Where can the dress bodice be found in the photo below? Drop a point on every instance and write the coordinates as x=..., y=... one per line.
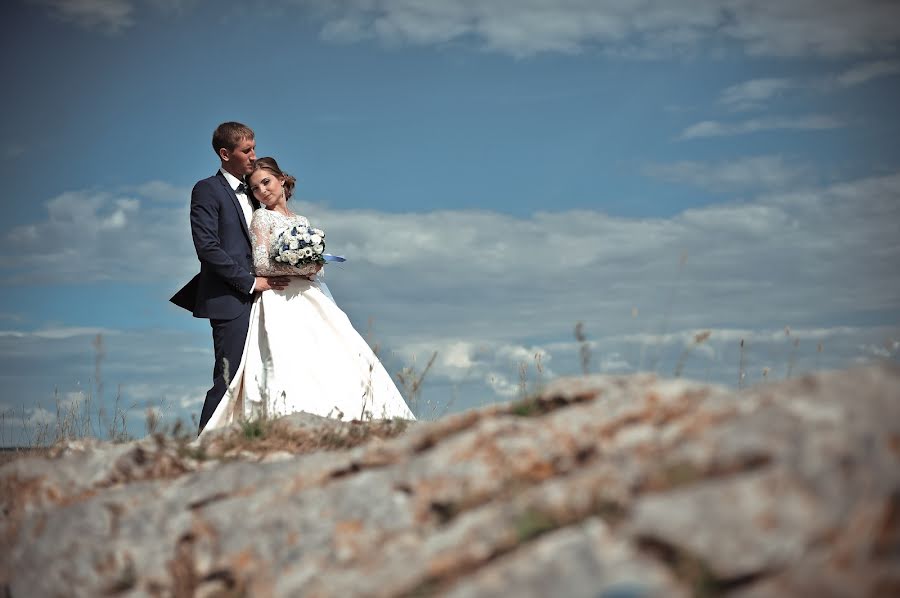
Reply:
x=264, y=227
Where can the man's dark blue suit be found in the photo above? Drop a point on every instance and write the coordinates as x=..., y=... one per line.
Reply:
x=221, y=291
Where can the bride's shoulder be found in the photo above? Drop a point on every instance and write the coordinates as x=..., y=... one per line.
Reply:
x=298, y=219
x=263, y=216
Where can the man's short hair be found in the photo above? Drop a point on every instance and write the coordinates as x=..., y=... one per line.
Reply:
x=229, y=134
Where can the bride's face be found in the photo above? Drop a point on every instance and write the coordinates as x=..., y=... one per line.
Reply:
x=266, y=187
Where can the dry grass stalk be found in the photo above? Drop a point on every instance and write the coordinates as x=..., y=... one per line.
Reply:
x=411, y=381
x=584, y=349
x=523, y=380
x=699, y=339
x=792, y=358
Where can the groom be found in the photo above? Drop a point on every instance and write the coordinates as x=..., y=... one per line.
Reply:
x=221, y=208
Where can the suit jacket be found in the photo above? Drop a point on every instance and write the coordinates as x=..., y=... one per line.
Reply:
x=222, y=241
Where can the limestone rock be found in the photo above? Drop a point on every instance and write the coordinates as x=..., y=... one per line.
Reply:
x=599, y=486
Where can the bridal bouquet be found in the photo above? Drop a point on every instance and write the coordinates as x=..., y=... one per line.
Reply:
x=299, y=246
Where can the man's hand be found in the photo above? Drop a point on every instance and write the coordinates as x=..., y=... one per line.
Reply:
x=268, y=283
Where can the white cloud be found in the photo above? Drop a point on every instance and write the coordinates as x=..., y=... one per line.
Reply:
x=613, y=362
x=813, y=27
x=490, y=371
x=170, y=396
x=753, y=93
x=57, y=333
x=516, y=28
x=636, y=28
x=490, y=291
x=108, y=16
x=40, y=417
x=863, y=73
x=427, y=271
x=802, y=350
x=503, y=387
x=756, y=93
x=138, y=369
x=477, y=361
x=721, y=337
x=712, y=128
x=757, y=172
x=132, y=235
x=72, y=400
x=626, y=28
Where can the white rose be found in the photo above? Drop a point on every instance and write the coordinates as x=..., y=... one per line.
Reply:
x=315, y=239
x=319, y=248
x=293, y=244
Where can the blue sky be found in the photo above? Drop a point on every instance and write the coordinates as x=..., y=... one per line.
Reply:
x=495, y=171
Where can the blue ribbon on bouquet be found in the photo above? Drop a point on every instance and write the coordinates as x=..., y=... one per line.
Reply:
x=333, y=258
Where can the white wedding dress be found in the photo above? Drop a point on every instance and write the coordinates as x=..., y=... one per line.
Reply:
x=302, y=353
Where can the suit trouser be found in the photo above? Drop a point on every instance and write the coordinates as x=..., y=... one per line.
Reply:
x=228, y=344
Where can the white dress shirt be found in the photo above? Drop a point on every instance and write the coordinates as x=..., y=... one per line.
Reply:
x=246, y=206
x=242, y=197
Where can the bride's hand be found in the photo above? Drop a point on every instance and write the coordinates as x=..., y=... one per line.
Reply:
x=312, y=276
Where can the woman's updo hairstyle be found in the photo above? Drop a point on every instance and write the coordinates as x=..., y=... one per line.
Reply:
x=269, y=163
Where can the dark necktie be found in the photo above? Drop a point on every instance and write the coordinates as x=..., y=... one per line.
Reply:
x=241, y=188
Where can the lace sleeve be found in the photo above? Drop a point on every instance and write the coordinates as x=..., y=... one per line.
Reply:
x=263, y=228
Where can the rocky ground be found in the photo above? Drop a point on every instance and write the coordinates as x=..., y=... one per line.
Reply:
x=599, y=487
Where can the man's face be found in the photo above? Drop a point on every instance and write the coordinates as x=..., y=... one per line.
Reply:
x=239, y=161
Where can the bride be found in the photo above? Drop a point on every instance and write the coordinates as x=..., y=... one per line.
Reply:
x=301, y=353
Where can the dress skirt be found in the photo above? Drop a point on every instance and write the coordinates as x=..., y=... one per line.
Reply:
x=303, y=354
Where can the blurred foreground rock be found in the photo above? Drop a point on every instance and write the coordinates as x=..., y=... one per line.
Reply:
x=598, y=487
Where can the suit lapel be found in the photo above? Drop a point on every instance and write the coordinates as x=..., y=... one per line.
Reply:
x=237, y=204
